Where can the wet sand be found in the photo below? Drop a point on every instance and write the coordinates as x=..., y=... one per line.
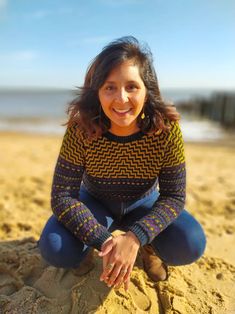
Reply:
x=29, y=285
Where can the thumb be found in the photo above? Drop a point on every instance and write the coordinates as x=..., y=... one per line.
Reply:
x=106, y=248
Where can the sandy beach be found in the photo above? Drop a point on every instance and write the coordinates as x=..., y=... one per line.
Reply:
x=29, y=285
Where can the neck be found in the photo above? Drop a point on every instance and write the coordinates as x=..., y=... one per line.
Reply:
x=124, y=131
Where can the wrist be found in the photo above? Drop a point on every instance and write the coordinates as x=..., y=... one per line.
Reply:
x=132, y=236
x=107, y=240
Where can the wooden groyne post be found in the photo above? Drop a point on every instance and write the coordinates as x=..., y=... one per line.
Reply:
x=220, y=107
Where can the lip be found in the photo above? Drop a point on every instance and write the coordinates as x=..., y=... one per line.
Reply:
x=123, y=113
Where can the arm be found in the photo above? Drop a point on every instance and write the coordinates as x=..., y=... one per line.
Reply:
x=65, y=193
x=172, y=186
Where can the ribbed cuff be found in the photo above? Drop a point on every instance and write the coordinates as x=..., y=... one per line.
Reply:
x=102, y=238
x=140, y=234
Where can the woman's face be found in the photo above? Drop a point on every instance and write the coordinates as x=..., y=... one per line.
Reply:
x=122, y=98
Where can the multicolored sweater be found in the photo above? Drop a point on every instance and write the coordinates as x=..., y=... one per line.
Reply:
x=119, y=168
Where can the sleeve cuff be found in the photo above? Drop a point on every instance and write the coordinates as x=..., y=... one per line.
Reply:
x=140, y=234
x=99, y=241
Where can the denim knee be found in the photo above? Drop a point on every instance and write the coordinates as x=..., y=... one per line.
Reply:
x=181, y=243
x=194, y=246
x=59, y=247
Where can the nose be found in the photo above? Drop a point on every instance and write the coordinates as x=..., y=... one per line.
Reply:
x=122, y=95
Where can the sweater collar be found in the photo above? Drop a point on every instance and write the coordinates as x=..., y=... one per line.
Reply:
x=124, y=139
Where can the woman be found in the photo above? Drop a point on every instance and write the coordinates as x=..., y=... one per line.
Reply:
x=121, y=166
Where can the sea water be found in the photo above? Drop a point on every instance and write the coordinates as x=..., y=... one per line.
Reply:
x=44, y=111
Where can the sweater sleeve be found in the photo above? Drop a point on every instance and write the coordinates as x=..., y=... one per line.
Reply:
x=65, y=203
x=172, y=187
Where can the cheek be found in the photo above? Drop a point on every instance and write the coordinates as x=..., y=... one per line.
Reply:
x=139, y=101
x=105, y=105
x=104, y=100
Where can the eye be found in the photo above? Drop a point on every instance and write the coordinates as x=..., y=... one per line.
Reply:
x=109, y=88
x=132, y=87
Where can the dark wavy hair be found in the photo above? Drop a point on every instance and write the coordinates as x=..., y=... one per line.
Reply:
x=86, y=111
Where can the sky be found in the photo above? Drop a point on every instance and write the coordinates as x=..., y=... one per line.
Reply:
x=50, y=43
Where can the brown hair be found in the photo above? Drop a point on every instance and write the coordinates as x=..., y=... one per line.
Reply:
x=86, y=111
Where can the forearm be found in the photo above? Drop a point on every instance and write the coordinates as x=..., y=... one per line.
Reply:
x=68, y=209
x=168, y=206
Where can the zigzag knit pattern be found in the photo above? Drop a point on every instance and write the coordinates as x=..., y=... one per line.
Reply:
x=119, y=169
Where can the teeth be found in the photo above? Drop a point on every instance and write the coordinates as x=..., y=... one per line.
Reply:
x=122, y=111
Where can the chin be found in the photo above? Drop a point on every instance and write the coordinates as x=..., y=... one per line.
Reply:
x=124, y=125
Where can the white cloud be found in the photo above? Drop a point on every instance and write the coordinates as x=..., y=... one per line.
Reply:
x=23, y=55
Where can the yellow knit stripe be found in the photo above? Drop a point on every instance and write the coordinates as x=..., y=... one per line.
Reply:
x=90, y=231
x=66, y=210
x=82, y=223
x=141, y=159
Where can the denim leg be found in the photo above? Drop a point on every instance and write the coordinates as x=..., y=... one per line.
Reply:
x=134, y=211
x=59, y=247
x=182, y=242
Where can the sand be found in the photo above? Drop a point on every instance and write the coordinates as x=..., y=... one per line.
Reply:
x=29, y=285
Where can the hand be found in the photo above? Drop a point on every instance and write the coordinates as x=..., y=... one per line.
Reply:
x=119, y=255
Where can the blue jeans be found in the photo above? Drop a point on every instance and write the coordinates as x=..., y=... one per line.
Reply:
x=181, y=243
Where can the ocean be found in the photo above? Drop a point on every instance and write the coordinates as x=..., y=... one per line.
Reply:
x=43, y=111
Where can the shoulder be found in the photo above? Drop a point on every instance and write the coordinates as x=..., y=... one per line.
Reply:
x=75, y=133
x=174, y=130
x=78, y=137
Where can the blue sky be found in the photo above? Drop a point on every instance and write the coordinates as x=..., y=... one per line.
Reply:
x=51, y=42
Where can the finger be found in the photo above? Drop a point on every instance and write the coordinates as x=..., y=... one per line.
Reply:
x=114, y=274
x=127, y=284
x=127, y=278
x=118, y=286
x=120, y=279
x=106, y=249
x=128, y=274
x=107, y=271
x=105, y=261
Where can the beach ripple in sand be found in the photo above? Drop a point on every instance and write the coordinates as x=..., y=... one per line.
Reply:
x=29, y=285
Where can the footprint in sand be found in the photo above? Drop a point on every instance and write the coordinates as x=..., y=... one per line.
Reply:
x=139, y=296
x=10, y=282
x=55, y=283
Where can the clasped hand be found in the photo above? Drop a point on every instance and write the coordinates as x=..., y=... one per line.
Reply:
x=119, y=255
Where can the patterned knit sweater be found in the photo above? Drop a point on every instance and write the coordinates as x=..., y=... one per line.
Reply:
x=119, y=168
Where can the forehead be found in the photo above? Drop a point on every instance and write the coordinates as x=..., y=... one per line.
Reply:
x=127, y=70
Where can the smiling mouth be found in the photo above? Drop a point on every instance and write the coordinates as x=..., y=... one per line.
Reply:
x=122, y=111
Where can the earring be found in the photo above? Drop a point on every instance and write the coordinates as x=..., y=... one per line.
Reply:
x=142, y=116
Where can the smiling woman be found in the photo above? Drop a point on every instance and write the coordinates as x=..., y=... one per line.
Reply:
x=122, y=140
x=122, y=98
x=123, y=71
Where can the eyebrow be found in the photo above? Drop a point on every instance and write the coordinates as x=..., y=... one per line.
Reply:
x=113, y=82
